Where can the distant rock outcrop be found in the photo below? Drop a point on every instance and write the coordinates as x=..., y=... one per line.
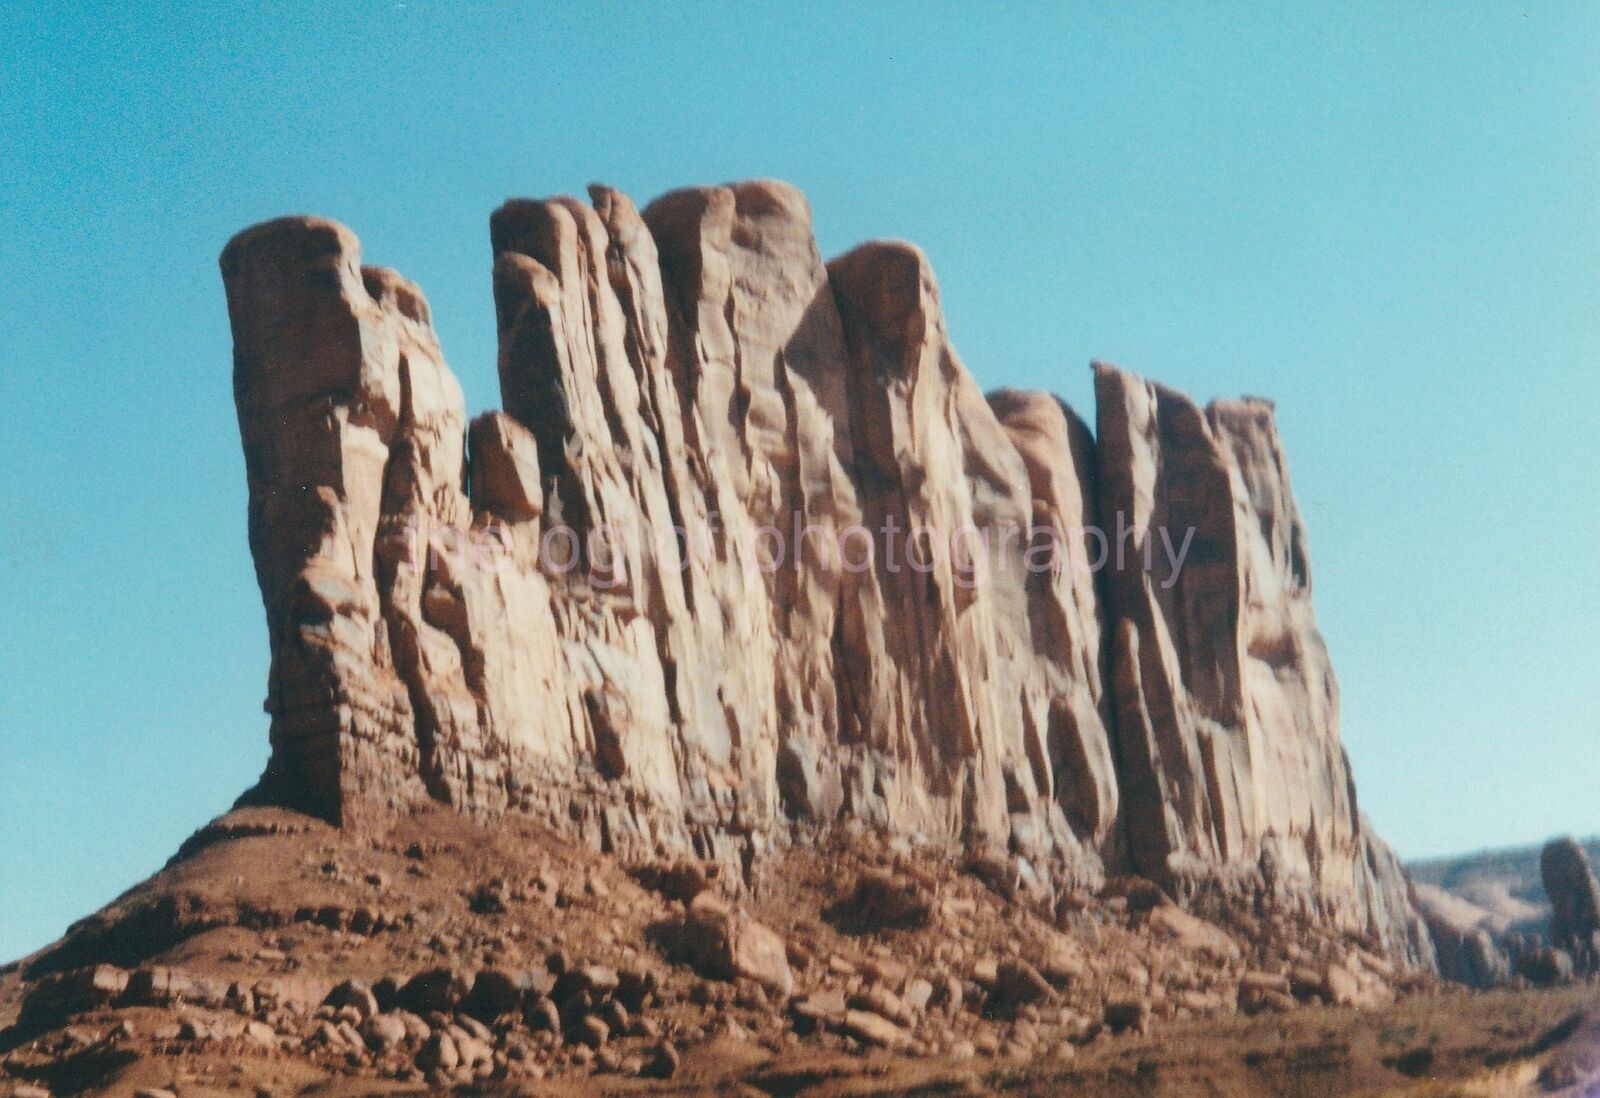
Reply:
x=749, y=552
x=1574, y=893
x=1466, y=948
x=1527, y=912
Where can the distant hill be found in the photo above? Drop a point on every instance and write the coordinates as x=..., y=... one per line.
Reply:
x=1504, y=884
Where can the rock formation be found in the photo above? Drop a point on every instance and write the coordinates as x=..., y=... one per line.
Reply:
x=748, y=553
x=1226, y=704
x=1463, y=942
x=1569, y=881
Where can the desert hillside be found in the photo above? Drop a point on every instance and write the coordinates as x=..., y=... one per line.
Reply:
x=754, y=705
x=280, y=955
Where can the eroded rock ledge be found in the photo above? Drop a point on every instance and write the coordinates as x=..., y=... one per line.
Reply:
x=697, y=367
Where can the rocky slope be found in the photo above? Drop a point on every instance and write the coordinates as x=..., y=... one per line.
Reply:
x=436, y=951
x=748, y=553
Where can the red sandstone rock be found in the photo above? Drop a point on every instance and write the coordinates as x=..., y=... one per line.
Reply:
x=513, y=624
x=1233, y=778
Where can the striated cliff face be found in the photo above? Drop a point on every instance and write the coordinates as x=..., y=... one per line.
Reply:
x=1227, y=712
x=749, y=553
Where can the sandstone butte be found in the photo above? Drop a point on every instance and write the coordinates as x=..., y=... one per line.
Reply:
x=697, y=365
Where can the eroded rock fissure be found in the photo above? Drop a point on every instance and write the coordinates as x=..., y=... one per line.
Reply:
x=695, y=376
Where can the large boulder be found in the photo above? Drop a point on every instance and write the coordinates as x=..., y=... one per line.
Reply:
x=725, y=943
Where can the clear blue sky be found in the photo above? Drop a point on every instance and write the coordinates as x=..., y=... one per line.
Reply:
x=1386, y=217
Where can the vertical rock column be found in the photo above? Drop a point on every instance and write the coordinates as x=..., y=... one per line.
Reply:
x=756, y=352
x=1234, y=781
x=679, y=725
x=1574, y=893
x=353, y=433
x=964, y=708
x=1064, y=613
